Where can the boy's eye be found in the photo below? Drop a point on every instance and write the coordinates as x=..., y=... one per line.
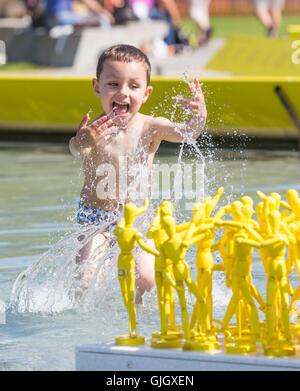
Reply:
x=134, y=86
x=112, y=84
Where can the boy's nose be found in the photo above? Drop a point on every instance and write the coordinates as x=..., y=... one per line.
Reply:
x=123, y=90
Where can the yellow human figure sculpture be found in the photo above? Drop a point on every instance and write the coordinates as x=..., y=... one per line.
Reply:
x=273, y=203
x=210, y=203
x=177, y=271
x=127, y=238
x=242, y=289
x=248, y=211
x=264, y=231
x=225, y=244
x=278, y=339
x=278, y=202
x=168, y=336
x=293, y=199
x=202, y=312
x=294, y=261
x=241, y=219
x=294, y=258
x=173, y=330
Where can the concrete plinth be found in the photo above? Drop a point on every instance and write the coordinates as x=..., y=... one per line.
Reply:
x=109, y=357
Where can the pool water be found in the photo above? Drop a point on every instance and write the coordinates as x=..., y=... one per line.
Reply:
x=39, y=187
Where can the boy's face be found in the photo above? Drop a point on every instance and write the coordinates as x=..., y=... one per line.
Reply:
x=122, y=88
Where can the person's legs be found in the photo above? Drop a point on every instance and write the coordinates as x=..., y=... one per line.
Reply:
x=87, y=258
x=94, y=247
x=263, y=13
x=145, y=279
x=199, y=12
x=276, y=14
x=97, y=241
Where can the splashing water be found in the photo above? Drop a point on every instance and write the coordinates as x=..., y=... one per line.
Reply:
x=56, y=282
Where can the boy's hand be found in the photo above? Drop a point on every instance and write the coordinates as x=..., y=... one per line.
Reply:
x=97, y=131
x=197, y=103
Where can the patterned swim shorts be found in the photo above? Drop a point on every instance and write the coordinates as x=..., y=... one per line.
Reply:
x=88, y=214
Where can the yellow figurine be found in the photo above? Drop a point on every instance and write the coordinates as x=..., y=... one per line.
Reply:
x=278, y=339
x=203, y=338
x=248, y=211
x=128, y=237
x=274, y=231
x=225, y=244
x=168, y=337
x=264, y=232
x=177, y=271
x=293, y=199
x=242, y=290
x=210, y=203
x=242, y=238
x=203, y=235
x=294, y=258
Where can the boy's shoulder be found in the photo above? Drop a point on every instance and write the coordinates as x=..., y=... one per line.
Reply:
x=153, y=122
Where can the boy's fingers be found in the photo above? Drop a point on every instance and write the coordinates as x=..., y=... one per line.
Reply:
x=98, y=122
x=181, y=100
x=188, y=102
x=84, y=121
x=109, y=132
x=106, y=125
x=192, y=105
x=198, y=94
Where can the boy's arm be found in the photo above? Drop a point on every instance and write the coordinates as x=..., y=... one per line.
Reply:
x=164, y=129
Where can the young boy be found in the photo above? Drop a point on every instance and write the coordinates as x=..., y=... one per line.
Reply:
x=122, y=84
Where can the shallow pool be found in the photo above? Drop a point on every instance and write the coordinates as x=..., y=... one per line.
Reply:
x=39, y=187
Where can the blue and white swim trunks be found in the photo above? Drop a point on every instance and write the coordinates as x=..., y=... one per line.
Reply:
x=92, y=215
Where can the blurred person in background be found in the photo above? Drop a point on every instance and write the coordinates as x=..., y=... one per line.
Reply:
x=64, y=12
x=36, y=10
x=269, y=13
x=128, y=10
x=121, y=11
x=168, y=10
x=199, y=13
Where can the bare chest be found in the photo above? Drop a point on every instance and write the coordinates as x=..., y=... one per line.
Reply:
x=131, y=146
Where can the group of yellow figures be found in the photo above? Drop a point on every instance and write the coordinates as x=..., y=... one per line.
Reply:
x=275, y=234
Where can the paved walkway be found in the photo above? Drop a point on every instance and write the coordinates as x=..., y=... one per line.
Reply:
x=190, y=62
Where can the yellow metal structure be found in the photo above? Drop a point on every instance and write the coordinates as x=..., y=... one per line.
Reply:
x=294, y=31
x=247, y=105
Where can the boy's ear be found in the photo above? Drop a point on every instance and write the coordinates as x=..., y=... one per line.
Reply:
x=96, y=86
x=148, y=92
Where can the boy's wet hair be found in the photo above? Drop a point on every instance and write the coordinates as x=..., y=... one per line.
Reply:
x=124, y=53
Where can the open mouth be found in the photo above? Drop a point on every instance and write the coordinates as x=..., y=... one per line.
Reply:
x=120, y=108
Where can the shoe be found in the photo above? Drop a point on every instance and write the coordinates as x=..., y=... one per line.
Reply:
x=205, y=37
x=270, y=31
